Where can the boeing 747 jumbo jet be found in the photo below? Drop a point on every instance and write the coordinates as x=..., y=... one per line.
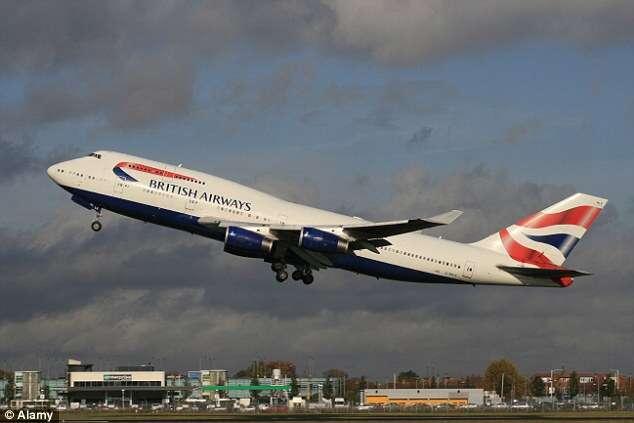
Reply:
x=253, y=224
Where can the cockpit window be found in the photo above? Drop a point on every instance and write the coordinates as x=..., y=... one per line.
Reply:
x=95, y=155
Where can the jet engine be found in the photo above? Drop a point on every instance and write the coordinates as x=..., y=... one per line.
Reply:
x=243, y=242
x=322, y=241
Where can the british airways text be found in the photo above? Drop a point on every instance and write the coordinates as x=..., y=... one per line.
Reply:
x=203, y=196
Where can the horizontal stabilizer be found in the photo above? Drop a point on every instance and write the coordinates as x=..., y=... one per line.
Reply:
x=534, y=272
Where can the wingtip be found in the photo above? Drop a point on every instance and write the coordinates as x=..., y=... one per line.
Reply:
x=447, y=218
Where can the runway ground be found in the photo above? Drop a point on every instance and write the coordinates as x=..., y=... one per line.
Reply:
x=350, y=417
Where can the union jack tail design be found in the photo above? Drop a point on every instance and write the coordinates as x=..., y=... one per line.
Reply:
x=545, y=239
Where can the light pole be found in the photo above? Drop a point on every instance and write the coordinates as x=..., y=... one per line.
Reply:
x=502, y=390
x=552, y=386
x=617, y=385
x=631, y=393
x=598, y=389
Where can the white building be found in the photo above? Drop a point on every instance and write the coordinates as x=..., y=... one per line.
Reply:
x=121, y=387
x=27, y=385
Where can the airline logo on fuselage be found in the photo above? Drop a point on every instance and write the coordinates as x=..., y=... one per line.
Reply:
x=176, y=189
x=200, y=195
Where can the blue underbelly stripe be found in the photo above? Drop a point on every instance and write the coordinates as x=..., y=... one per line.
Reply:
x=147, y=213
x=386, y=270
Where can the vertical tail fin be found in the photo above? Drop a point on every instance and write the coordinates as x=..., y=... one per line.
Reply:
x=547, y=237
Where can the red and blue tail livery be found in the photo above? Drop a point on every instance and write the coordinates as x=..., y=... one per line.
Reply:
x=545, y=239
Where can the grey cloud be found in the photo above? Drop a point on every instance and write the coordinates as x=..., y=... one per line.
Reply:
x=521, y=131
x=310, y=117
x=40, y=36
x=145, y=53
x=293, y=76
x=16, y=158
x=144, y=90
x=183, y=326
x=399, y=98
x=150, y=90
x=380, y=118
x=21, y=157
x=302, y=191
x=405, y=33
x=333, y=96
x=422, y=136
x=241, y=100
x=489, y=198
x=417, y=96
x=342, y=95
x=289, y=88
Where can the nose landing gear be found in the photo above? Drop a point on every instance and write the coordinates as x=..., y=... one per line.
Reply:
x=96, y=224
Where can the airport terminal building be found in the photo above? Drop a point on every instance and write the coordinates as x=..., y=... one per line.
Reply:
x=122, y=386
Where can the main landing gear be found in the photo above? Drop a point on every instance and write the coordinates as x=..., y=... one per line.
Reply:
x=306, y=276
x=280, y=271
x=303, y=274
x=96, y=224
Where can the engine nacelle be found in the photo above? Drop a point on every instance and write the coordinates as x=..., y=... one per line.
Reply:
x=322, y=241
x=246, y=243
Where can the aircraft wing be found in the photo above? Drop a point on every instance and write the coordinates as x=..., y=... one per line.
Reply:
x=360, y=231
x=364, y=235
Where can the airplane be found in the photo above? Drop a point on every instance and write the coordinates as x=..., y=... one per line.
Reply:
x=254, y=224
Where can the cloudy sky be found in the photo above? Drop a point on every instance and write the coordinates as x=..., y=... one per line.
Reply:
x=382, y=109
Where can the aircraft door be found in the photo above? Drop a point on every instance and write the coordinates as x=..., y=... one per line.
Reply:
x=468, y=269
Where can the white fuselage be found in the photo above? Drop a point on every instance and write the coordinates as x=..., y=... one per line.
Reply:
x=180, y=202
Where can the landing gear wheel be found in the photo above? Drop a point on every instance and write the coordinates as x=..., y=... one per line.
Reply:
x=281, y=276
x=96, y=226
x=277, y=266
x=297, y=275
x=308, y=279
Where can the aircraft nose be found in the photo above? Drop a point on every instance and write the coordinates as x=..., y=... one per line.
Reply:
x=52, y=171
